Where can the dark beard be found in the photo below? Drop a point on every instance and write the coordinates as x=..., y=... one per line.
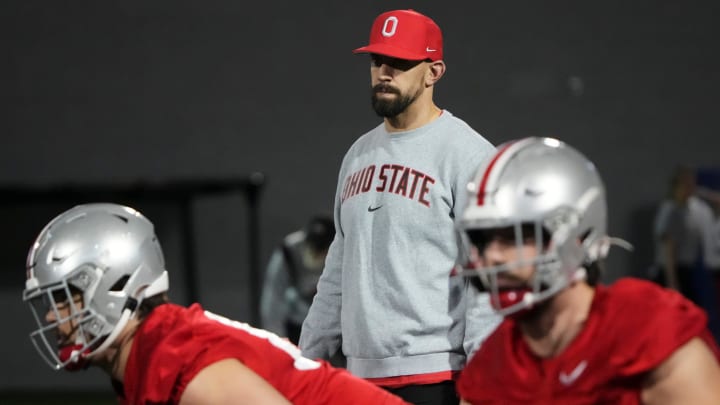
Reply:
x=390, y=108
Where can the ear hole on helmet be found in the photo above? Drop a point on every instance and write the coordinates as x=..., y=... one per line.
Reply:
x=120, y=284
x=131, y=304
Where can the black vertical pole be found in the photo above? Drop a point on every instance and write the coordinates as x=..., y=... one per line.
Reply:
x=188, y=244
x=255, y=185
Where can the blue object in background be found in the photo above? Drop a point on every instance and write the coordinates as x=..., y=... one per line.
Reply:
x=708, y=177
x=703, y=279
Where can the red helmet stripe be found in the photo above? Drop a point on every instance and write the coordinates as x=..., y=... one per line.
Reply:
x=486, y=175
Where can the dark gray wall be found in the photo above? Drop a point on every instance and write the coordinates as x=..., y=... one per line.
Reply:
x=115, y=92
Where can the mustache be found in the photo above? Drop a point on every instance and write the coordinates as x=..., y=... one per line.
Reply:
x=385, y=88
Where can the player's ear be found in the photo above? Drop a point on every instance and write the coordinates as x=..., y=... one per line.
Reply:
x=435, y=71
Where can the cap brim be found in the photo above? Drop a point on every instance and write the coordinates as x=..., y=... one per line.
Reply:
x=391, y=51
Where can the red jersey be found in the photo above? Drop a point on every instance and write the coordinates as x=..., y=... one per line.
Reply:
x=175, y=343
x=632, y=327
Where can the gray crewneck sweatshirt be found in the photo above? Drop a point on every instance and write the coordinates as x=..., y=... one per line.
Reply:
x=386, y=294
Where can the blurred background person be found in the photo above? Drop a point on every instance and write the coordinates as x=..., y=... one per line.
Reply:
x=683, y=233
x=292, y=275
x=712, y=237
x=708, y=190
x=681, y=225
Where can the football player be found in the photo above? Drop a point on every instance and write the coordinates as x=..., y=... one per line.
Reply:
x=535, y=231
x=97, y=284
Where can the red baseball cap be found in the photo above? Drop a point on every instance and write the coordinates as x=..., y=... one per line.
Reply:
x=405, y=34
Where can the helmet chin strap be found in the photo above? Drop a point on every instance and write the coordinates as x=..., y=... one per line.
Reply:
x=601, y=249
x=529, y=297
x=126, y=315
x=80, y=358
x=72, y=355
x=158, y=286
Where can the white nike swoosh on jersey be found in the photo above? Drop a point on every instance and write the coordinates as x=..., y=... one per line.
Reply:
x=430, y=50
x=567, y=379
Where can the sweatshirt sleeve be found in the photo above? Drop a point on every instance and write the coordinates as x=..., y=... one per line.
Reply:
x=320, y=336
x=480, y=319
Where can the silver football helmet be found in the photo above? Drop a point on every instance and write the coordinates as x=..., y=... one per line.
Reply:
x=540, y=189
x=87, y=272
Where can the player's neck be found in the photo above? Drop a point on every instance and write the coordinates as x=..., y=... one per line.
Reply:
x=418, y=114
x=550, y=331
x=115, y=357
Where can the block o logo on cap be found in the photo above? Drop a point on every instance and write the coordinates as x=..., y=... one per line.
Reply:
x=390, y=26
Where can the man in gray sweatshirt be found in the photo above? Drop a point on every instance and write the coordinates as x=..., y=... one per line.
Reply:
x=386, y=297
